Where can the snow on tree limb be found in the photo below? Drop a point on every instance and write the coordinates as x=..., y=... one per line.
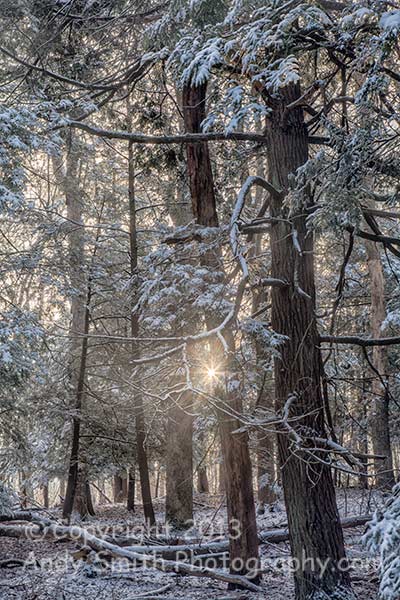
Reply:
x=186, y=138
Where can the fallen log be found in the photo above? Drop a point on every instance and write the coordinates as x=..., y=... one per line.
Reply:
x=22, y=515
x=78, y=534
x=355, y=521
x=9, y=563
x=272, y=536
x=169, y=544
x=149, y=540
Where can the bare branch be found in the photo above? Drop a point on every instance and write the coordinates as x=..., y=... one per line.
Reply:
x=359, y=341
x=386, y=214
x=186, y=138
x=135, y=72
x=387, y=241
x=270, y=282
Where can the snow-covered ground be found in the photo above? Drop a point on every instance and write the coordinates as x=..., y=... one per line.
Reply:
x=63, y=577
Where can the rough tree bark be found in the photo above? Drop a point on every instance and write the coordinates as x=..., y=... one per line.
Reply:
x=179, y=463
x=199, y=169
x=379, y=414
x=238, y=472
x=313, y=519
x=140, y=425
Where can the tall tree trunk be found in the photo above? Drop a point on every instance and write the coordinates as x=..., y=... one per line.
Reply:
x=80, y=300
x=313, y=518
x=199, y=169
x=75, y=470
x=379, y=415
x=179, y=431
x=242, y=525
x=140, y=425
x=179, y=464
x=243, y=547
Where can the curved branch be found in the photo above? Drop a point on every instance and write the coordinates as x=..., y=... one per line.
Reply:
x=359, y=341
x=387, y=241
x=385, y=214
x=138, y=69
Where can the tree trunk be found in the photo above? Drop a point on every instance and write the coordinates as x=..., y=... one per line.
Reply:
x=26, y=491
x=130, y=502
x=362, y=417
x=80, y=300
x=242, y=525
x=179, y=433
x=199, y=169
x=120, y=488
x=313, y=519
x=140, y=426
x=74, y=469
x=45, y=491
x=89, y=499
x=83, y=496
x=179, y=464
x=62, y=489
x=221, y=477
x=124, y=488
x=265, y=470
x=265, y=454
x=379, y=415
x=158, y=477
x=203, y=487
x=117, y=488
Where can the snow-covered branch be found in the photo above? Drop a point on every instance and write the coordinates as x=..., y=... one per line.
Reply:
x=185, y=138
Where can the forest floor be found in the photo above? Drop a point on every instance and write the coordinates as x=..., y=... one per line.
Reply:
x=60, y=578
